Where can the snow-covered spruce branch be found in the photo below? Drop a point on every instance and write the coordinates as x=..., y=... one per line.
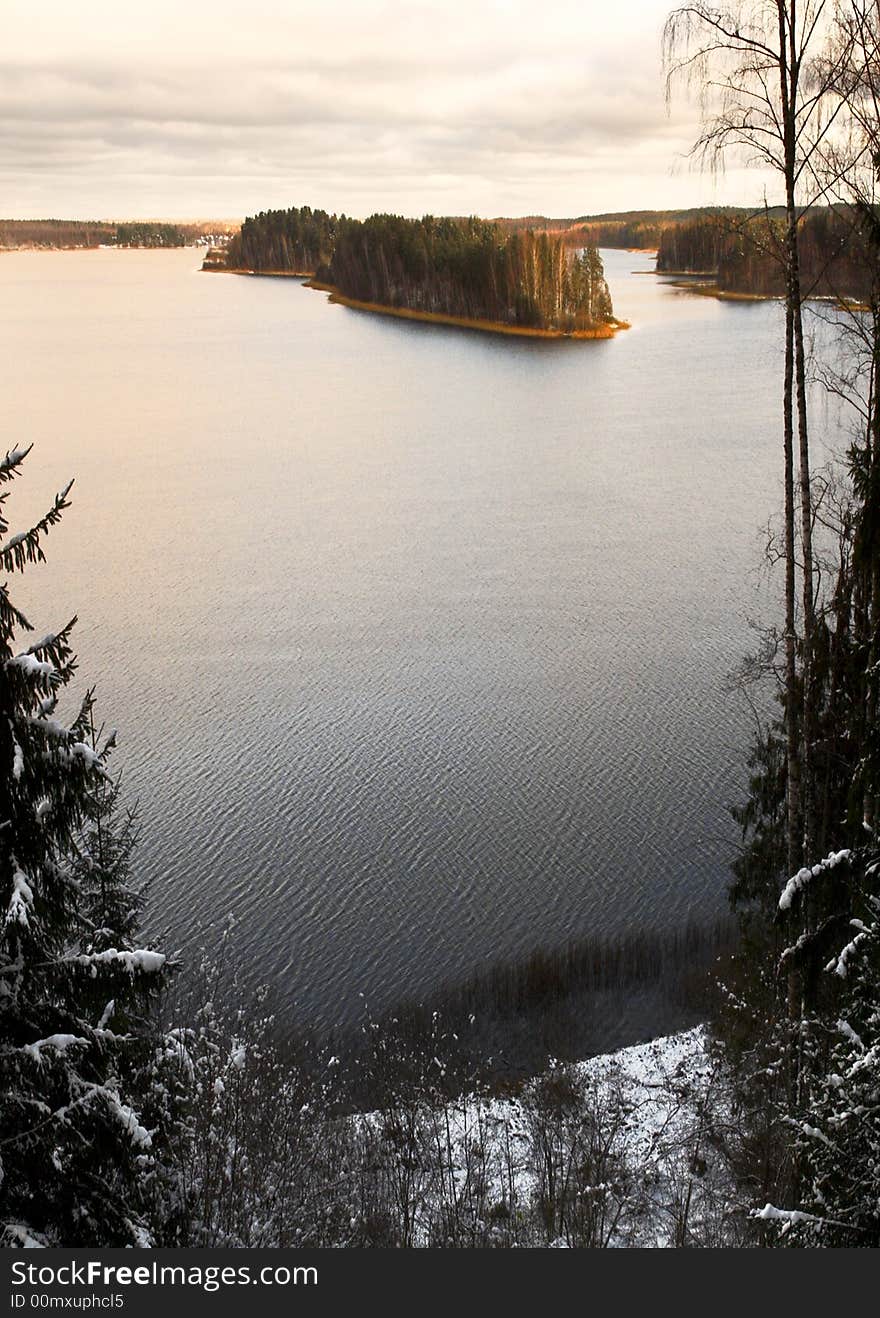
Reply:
x=839, y=965
x=46, y=661
x=21, y=902
x=13, y=459
x=799, y=881
x=120, y=1111
x=28, y=664
x=143, y=960
x=24, y=547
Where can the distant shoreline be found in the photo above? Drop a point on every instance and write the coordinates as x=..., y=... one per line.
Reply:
x=30, y=248
x=258, y=274
x=431, y=317
x=701, y=285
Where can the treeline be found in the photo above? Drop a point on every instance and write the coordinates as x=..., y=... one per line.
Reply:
x=152, y=235
x=96, y=233
x=695, y=247
x=627, y=229
x=837, y=257
x=295, y=241
x=638, y=233
x=55, y=233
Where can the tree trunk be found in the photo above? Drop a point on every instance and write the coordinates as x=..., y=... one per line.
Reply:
x=808, y=786
x=792, y=702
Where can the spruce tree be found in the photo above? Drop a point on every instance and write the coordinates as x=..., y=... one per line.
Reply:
x=76, y=1159
x=831, y=1123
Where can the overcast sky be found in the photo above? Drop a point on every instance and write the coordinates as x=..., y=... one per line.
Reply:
x=494, y=107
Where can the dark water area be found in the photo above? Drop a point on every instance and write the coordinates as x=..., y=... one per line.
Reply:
x=416, y=638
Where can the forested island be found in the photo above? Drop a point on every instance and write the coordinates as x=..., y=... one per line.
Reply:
x=457, y=271
x=745, y=255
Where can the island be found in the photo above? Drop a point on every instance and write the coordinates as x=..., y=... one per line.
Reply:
x=741, y=257
x=458, y=271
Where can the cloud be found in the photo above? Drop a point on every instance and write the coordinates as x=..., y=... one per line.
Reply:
x=364, y=106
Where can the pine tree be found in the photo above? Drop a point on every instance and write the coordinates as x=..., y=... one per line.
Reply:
x=75, y=1157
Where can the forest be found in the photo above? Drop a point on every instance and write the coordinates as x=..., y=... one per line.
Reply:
x=386, y=259
x=151, y=235
x=746, y=254
x=295, y=241
x=55, y=233
x=741, y=250
x=51, y=234
x=144, y=1101
x=467, y=269
x=626, y=229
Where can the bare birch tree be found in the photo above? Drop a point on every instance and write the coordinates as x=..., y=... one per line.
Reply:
x=766, y=96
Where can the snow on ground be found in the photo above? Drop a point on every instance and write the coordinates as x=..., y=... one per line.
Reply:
x=656, y=1110
x=636, y=1130
x=665, y=1082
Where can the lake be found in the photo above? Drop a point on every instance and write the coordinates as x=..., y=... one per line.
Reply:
x=416, y=638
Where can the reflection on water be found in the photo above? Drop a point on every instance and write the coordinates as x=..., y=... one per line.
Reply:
x=415, y=638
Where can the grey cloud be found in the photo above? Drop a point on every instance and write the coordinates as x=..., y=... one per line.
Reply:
x=380, y=118
x=283, y=94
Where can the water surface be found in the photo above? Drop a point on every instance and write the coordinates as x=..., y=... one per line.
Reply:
x=416, y=638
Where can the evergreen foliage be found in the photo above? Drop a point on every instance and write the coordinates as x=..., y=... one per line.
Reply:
x=468, y=268
x=76, y=1159
x=150, y=235
x=294, y=241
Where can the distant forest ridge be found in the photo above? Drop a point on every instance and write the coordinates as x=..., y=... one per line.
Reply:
x=837, y=252
x=470, y=270
x=54, y=234
x=740, y=250
x=627, y=229
x=637, y=228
